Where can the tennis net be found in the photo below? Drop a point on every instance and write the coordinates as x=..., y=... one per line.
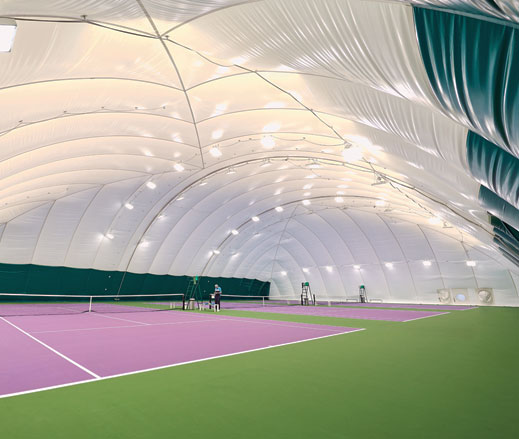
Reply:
x=12, y=304
x=236, y=301
x=336, y=300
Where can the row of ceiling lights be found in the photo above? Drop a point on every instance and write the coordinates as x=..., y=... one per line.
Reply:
x=389, y=265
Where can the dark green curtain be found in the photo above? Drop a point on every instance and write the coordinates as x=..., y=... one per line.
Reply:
x=38, y=279
x=494, y=167
x=473, y=69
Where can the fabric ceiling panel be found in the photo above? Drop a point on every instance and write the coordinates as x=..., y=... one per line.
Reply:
x=506, y=250
x=258, y=121
x=21, y=234
x=150, y=151
x=83, y=51
x=96, y=222
x=457, y=52
x=417, y=124
x=80, y=96
x=243, y=92
x=371, y=43
x=166, y=12
x=499, y=207
x=195, y=70
x=411, y=240
x=494, y=168
x=504, y=9
x=118, y=11
x=77, y=127
x=59, y=227
x=427, y=280
x=510, y=242
x=512, y=233
x=506, y=247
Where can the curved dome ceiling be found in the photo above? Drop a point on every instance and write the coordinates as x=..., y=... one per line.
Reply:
x=139, y=135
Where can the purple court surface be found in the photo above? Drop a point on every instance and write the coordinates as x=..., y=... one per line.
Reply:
x=48, y=351
x=393, y=315
x=399, y=305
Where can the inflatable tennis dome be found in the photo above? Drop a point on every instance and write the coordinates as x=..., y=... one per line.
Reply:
x=336, y=142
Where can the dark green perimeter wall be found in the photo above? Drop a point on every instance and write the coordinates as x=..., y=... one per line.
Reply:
x=39, y=279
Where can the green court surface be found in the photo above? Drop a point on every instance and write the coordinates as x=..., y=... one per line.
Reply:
x=450, y=376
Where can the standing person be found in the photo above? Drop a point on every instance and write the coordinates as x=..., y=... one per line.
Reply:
x=217, y=295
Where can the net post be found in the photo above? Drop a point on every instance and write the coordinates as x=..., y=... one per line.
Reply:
x=263, y=300
x=90, y=305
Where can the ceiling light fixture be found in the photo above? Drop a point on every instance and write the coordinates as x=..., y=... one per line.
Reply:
x=7, y=33
x=129, y=206
x=279, y=209
x=339, y=199
x=215, y=151
x=434, y=220
x=151, y=185
x=234, y=232
x=313, y=165
x=427, y=263
x=217, y=134
x=389, y=264
x=178, y=167
x=109, y=236
x=471, y=263
x=255, y=219
x=268, y=142
x=351, y=153
x=306, y=202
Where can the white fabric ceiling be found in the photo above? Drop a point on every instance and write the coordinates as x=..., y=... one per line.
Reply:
x=100, y=98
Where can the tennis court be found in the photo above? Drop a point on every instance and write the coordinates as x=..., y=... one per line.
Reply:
x=395, y=305
x=392, y=315
x=42, y=351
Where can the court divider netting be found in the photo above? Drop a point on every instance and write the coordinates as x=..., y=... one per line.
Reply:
x=13, y=304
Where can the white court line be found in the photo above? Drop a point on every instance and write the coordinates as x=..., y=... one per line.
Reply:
x=174, y=365
x=219, y=319
x=124, y=326
x=84, y=369
x=426, y=317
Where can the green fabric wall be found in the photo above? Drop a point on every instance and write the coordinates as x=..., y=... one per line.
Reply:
x=494, y=167
x=473, y=69
x=38, y=279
